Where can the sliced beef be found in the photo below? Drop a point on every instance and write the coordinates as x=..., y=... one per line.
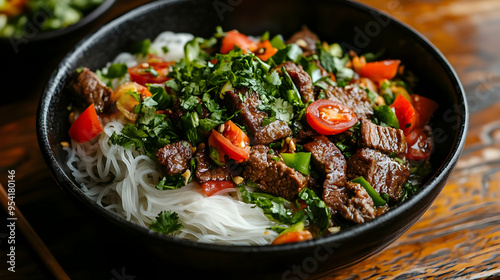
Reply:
x=271, y=132
x=327, y=158
x=382, y=172
x=251, y=117
x=305, y=38
x=359, y=207
x=206, y=172
x=88, y=88
x=300, y=78
x=273, y=176
x=303, y=134
x=175, y=157
x=385, y=139
x=352, y=97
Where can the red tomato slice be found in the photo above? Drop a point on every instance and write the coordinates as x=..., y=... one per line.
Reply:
x=86, y=127
x=235, y=38
x=419, y=145
x=155, y=71
x=234, y=134
x=425, y=107
x=330, y=117
x=212, y=187
x=380, y=70
x=226, y=147
x=265, y=50
x=406, y=114
x=292, y=237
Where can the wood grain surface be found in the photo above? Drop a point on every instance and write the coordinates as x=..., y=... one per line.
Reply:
x=457, y=238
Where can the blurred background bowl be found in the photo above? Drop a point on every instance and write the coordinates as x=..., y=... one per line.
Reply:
x=22, y=55
x=354, y=26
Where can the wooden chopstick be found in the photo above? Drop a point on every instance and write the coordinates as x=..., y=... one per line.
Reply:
x=33, y=238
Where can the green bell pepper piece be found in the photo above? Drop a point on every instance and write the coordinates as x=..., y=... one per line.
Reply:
x=377, y=199
x=298, y=161
x=385, y=114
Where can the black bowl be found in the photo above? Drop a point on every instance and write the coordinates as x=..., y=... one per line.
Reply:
x=354, y=26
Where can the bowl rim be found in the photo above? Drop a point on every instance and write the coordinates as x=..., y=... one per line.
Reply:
x=65, y=182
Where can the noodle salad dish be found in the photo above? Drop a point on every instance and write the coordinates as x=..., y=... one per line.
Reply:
x=243, y=140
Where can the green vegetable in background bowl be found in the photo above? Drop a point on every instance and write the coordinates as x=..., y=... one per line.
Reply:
x=18, y=17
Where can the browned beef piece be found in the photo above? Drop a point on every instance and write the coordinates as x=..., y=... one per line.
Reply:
x=384, y=139
x=352, y=97
x=359, y=207
x=205, y=172
x=327, y=158
x=88, y=89
x=300, y=78
x=382, y=172
x=303, y=135
x=175, y=157
x=273, y=176
x=305, y=39
x=251, y=117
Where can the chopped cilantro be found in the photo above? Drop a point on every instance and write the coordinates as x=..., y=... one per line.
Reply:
x=160, y=95
x=171, y=182
x=408, y=190
x=276, y=208
x=151, y=131
x=151, y=70
x=142, y=47
x=316, y=209
x=166, y=222
x=116, y=70
x=283, y=110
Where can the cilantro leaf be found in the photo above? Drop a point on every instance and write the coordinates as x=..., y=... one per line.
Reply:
x=116, y=70
x=160, y=96
x=142, y=47
x=150, y=132
x=166, y=222
x=171, y=182
x=283, y=109
x=275, y=208
x=316, y=209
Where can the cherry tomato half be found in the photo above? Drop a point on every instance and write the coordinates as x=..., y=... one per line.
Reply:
x=225, y=146
x=419, y=145
x=154, y=71
x=425, y=107
x=234, y=134
x=330, y=117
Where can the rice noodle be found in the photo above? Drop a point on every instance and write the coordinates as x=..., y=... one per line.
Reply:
x=220, y=218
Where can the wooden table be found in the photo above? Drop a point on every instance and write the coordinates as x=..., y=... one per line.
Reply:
x=459, y=236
